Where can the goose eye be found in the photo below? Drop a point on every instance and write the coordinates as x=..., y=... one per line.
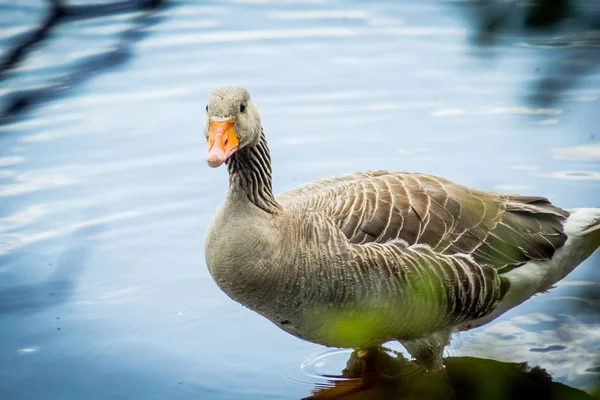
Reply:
x=242, y=107
x=207, y=108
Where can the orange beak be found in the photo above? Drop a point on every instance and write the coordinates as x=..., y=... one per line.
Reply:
x=222, y=142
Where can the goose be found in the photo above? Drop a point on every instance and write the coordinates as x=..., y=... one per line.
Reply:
x=361, y=259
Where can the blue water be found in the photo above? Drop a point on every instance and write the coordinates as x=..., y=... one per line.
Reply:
x=105, y=195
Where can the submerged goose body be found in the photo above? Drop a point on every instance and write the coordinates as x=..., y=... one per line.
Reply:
x=364, y=258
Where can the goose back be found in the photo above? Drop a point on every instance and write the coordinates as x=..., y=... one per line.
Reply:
x=502, y=231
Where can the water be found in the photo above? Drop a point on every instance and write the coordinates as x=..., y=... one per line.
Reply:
x=105, y=195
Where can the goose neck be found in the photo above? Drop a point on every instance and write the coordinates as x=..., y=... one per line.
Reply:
x=250, y=173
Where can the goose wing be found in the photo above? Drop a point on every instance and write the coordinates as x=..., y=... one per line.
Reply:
x=501, y=231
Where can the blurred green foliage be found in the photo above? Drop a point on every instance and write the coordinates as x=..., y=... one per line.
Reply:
x=415, y=308
x=381, y=375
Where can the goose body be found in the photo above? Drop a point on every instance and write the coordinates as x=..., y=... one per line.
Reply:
x=361, y=259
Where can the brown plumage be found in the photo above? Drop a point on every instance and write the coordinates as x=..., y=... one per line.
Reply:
x=381, y=206
x=360, y=259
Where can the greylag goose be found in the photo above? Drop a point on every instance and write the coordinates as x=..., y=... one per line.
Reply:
x=361, y=259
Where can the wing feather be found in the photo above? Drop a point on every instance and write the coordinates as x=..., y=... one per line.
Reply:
x=383, y=206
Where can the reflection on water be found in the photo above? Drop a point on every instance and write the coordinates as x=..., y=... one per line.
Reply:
x=566, y=29
x=59, y=287
x=390, y=376
x=86, y=66
x=105, y=197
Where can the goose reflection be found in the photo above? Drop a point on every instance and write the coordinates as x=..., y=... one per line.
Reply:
x=384, y=375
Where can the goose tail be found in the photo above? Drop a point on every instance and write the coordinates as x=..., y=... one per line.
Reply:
x=582, y=228
x=583, y=232
x=593, y=229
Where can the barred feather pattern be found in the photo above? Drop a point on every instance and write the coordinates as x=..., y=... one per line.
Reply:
x=422, y=252
x=412, y=253
x=382, y=206
x=250, y=170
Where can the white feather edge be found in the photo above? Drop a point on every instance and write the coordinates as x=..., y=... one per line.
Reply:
x=537, y=276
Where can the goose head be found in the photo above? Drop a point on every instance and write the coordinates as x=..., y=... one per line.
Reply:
x=232, y=123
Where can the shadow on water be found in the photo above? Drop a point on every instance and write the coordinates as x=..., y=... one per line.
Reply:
x=384, y=376
x=61, y=284
x=565, y=31
x=59, y=13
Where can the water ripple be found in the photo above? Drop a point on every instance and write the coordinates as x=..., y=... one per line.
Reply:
x=459, y=112
x=11, y=241
x=575, y=175
x=588, y=152
x=247, y=36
